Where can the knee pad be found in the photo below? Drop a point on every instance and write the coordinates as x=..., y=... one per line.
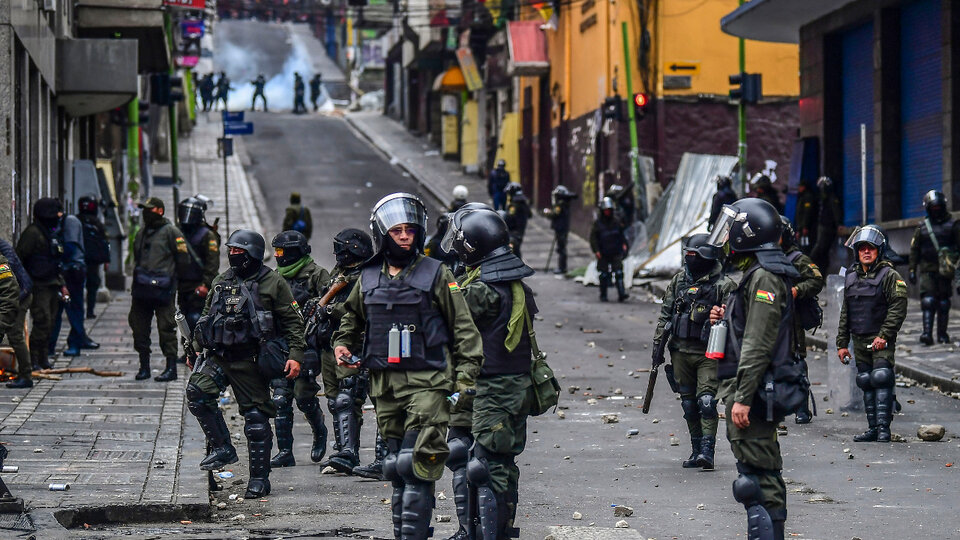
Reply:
x=405, y=466
x=308, y=405
x=477, y=472
x=215, y=373
x=331, y=404
x=863, y=381
x=196, y=395
x=390, y=467
x=459, y=453
x=928, y=303
x=746, y=490
x=944, y=304
x=708, y=406
x=882, y=378
x=282, y=400
x=690, y=409
x=256, y=426
x=344, y=402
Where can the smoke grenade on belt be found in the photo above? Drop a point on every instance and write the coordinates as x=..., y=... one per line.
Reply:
x=393, y=345
x=718, y=341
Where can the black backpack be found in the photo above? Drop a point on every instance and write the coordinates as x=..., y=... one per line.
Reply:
x=808, y=310
x=96, y=250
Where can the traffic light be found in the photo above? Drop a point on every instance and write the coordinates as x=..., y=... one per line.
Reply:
x=165, y=89
x=174, y=89
x=641, y=102
x=612, y=107
x=144, y=113
x=749, y=87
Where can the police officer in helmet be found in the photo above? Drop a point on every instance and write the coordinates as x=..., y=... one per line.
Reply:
x=408, y=320
x=609, y=244
x=935, y=236
x=874, y=307
x=494, y=289
x=305, y=279
x=759, y=315
x=249, y=303
x=559, y=216
x=687, y=302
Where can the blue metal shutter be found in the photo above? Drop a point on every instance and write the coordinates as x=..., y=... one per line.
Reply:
x=856, y=50
x=921, y=104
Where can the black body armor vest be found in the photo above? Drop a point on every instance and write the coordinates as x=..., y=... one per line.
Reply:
x=45, y=265
x=194, y=271
x=693, y=303
x=497, y=360
x=610, y=237
x=866, y=303
x=406, y=302
x=944, y=234
x=238, y=321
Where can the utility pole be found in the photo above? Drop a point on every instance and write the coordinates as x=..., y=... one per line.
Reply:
x=638, y=182
x=172, y=111
x=742, y=123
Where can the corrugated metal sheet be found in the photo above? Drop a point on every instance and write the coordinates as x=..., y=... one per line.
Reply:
x=857, y=105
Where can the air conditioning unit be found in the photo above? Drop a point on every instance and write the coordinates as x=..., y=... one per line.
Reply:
x=50, y=5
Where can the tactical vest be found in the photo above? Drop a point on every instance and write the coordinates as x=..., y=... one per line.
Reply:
x=693, y=303
x=194, y=271
x=300, y=287
x=497, y=360
x=96, y=250
x=866, y=303
x=45, y=264
x=238, y=320
x=407, y=302
x=944, y=234
x=610, y=238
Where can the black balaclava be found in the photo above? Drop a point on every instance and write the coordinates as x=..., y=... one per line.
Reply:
x=697, y=265
x=151, y=219
x=244, y=265
x=396, y=255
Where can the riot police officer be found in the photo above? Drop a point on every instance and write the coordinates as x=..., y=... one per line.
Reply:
x=625, y=201
x=518, y=214
x=724, y=196
x=608, y=243
x=249, y=303
x=829, y=221
x=805, y=289
x=559, y=215
x=404, y=298
x=15, y=334
x=495, y=292
x=687, y=302
x=41, y=249
x=759, y=315
x=305, y=279
x=460, y=194
x=935, y=234
x=10, y=316
x=197, y=277
x=874, y=307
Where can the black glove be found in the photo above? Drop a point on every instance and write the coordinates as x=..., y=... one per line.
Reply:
x=913, y=277
x=653, y=352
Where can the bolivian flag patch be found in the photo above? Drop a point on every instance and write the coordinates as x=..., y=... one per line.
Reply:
x=901, y=284
x=693, y=290
x=5, y=271
x=181, y=244
x=295, y=305
x=453, y=286
x=765, y=296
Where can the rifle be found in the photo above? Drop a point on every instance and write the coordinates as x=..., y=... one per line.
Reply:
x=317, y=311
x=658, y=360
x=185, y=335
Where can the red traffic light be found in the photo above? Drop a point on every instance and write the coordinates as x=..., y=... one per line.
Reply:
x=640, y=100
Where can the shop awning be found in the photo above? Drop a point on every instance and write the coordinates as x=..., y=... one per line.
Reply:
x=778, y=21
x=450, y=80
x=527, y=45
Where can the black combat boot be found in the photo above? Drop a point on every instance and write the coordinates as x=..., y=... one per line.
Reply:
x=374, y=470
x=884, y=413
x=337, y=439
x=926, y=337
x=313, y=414
x=169, y=374
x=943, y=318
x=870, y=407
x=144, y=372
x=461, y=495
x=604, y=283
x=221, y=451
x=708, y=446
x=283, y=423
x=259, y=443
x=691, y=462
x=511, y=499
x=621, y=289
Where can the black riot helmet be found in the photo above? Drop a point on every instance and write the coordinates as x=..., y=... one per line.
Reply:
x=88, y=204
x=867, y=234
x=190, y=211
x=699, y=257
x=936, y=206
x=476, y=235
x=397, y=209
x=786, y=237
x=513, y=189
x=748, y=225
x=607, y=204
x=475, y=206
x=290, y=247
x=249, y=241
x=616, y=191
x=352, y=247
x=501, y=164
x=723, y=181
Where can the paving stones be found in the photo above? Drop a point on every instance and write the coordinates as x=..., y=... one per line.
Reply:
x=931, y=432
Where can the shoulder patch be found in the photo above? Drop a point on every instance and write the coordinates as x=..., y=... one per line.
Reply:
x=453, y=286
x=4, y=268
x=295, y=305
x=181, y=244
x=5, y=271
x=901, y=284
x=816, y=270
x=693, y=290
x=765, y=296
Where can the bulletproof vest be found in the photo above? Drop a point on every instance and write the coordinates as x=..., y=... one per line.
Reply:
x=198, y=241
x=497, y=360
x=609, y=237
x=45, y=264
x=866, y=303
x=561, y=222
x=736, y=317
x=300, y=287
x=408, y=303
x=238, y=321
x=943, y=233
x=693, y=303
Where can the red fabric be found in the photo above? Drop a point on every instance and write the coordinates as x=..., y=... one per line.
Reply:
x=528, y=44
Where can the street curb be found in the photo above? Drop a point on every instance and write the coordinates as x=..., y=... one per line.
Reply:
x=925, y=376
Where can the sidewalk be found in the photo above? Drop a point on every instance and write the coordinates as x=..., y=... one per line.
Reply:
x=437, y=178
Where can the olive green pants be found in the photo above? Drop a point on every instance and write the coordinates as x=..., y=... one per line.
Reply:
x=427, y=412
x=43, y=308
x=500, y=413
x=17, y=340
x=863, y=355
x=250, y=388
x=141, y=322
x=696, y=375
x=332, y=374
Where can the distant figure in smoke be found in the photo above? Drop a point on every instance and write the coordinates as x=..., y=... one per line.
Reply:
x=258, y=85
x=223, y=89
x=206, y=87
x=315, y=83
x=299, y=107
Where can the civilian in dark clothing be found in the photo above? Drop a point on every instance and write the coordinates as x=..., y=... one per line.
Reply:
x=499, y=178
x=724, y=195
x=74, y=275
x=829, y=221
x=96, y=249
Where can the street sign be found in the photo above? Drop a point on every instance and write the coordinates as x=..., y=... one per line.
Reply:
x=228, y=116
x=238, y=128
x=225, y=146
x=682, y=68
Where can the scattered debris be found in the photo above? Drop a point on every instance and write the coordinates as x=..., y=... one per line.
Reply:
x=931, y=432
x=674, y=441
x=577, y=516
x=829, y=411
x=820, y=499
x=221, y=505
x=622, y=525
x=701, y=506
x=328, y=470
x=622, y=511
x=591, y=330
x=441, y=496
x=656, y=420
x=592, y=401
x=878, y=489
x=573, y=389
x=633, y=432
x=561, y=415
x=225, y=474
x=238, y=517
x=591, y=344
x=233, y=496
x=443, y=518
x=610, y=419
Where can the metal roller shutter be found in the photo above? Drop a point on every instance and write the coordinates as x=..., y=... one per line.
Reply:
x=921, y=104
x=856, y=63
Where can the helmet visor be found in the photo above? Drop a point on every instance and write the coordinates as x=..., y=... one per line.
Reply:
x=396, y=210
x=190, y=214
x=721, y=228
x=868, y=234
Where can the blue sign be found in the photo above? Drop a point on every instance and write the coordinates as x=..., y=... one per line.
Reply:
x=236, y=116
x=238, y=128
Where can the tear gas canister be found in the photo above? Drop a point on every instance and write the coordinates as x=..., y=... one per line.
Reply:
x=393, y=345
x=718, y=341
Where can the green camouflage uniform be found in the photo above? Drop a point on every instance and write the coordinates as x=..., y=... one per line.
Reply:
x=809, y=286
x=305, y=387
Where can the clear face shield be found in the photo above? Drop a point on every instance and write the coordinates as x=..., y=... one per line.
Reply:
x=868, y=234
x=454, y=233
x=397, y=209
x=721, y=228
x=190, y=214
